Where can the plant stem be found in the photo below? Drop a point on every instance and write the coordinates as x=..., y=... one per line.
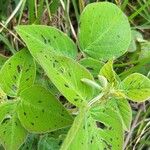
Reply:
x=97, y=98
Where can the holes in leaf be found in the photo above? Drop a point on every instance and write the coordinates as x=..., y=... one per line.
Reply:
x=90, y=69
x=69, y=74
x=54, y=64
x=92, y=139
x=10, y=98
x=76, y=99
x=101, y=125
x=32, y=123
x=15, y=77
x=6, y=120
x=66, y=85
x=18, y=68
x=16, y=123
x=4, y=131
x=39, y=101
x=27, y=79
x=27, y=70
x=25, y=113
x=108, y=146
x=44, y=39
x=61, y=70
x=118, y=36
x=49, y=41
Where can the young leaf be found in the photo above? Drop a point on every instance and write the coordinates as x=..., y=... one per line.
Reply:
x=65, y=73
x=92, y=65
x=18, y=73
x=49, y=38
x=136, y=87
x=39, y=111
x=108, y=72
x=12, y=134
x=95, y=129
x=104, y=31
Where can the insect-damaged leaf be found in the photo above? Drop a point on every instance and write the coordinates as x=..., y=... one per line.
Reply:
x=49, y=38
x=136, y=87
x=65, y=73
x=122, y=109
x=18, y=73
x=95, y=129
x=39, y=111
x=104, y=31
x=12, y=134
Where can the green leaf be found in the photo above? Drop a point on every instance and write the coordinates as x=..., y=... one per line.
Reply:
x=108, y=72
x=18, y=73
x=136, y=37
x=104, y=31
x=12, y=134
x=39, y=111
x=65, y=73
x=3, y=96
x=2, y=60
x=98, y=128
x=122, y=109
x=136, y=87
x=49, y=143
x=30, y=143
x=48, y=38
x=92, y=65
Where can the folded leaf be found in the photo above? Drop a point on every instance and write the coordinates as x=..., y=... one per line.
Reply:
x=104, y=31
x=108, y=72
x=39, y=111
x=49, y=38
x=12, y=134
x=18, y=73
x=136, y=87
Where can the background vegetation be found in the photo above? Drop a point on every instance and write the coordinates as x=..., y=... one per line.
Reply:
x=64, y=14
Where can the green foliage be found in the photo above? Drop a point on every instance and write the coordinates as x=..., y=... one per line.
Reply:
x=2, y=60
x=94, y=129
x=136, y=87
x=39, y=111
x=18, y=73
x=103, y=35
x=101, y=107
x=12, y=134
x=47, y=38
